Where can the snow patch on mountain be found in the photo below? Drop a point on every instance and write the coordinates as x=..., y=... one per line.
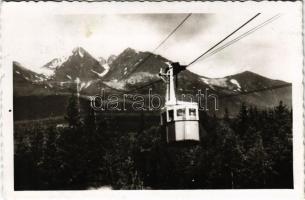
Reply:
x=125, y=71
x=88, y=84
x=82, y=85
x=235, y=82
x=45, y=71
x=80, y=54
x=120, y=85
x=111, y=58
x=49, y=68
x=140, y=77
x=228, y=83
x=106, y=67
x=101, y=60
x=67, y=67
x=30, y=76
x=140, y=60
x=78, y=51
x=106, y=70
x=205, y=80
x=39, y=78
x=57, y=62
x=219, y=82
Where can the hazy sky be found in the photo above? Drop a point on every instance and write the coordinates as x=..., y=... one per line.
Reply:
x=270, y=51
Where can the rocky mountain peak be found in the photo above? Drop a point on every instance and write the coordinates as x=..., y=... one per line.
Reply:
x=79, y=51
x=132, y=69
x=129, y=51
x=102, y=60
x=111, y=58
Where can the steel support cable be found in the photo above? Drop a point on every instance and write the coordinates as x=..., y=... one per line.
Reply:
x=181, y=23
x=244, y=24
x=173, y=31
x=210, y=49
x=242, y=36
x=222, y=47
x=162, y=42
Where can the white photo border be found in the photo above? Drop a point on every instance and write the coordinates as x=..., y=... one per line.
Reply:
x=150, y=7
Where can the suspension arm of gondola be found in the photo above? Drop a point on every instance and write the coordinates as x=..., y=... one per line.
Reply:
x=176, y=86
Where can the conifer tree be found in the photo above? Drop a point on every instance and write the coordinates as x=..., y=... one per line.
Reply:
x=90, y=120
x=72, y=112
x=51, y=164
x=226, y=116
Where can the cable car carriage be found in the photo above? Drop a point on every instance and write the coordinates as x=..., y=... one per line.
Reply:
x=181, y=122
x=179, y=118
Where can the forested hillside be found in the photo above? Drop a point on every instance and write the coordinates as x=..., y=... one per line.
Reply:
x=251, y=150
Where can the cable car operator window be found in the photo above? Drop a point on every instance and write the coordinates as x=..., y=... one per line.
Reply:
x=181, y=113
x=170, y=115
x=192, y=112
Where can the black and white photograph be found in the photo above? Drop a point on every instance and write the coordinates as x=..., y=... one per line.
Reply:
x=153, y=100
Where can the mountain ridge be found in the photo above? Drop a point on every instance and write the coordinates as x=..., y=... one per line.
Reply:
x=125, y=72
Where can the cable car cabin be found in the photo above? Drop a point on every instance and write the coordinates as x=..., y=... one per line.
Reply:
x=180, y=119
x=181, y=122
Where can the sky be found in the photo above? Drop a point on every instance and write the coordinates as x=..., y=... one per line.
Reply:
x=271, y=51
